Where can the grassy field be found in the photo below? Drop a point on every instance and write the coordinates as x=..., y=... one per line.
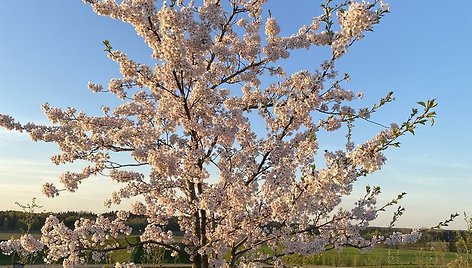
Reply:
x=350, y=257
x=8, y=235
x=378, y=257
x=136, y=255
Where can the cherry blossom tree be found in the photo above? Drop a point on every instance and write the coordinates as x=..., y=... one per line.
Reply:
x=229, y=138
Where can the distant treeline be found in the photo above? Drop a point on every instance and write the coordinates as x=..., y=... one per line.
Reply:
x=427, y=235
x=12, y=221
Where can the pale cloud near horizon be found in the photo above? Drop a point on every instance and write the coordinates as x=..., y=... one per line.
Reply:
x=22, y=172
x=89, y=197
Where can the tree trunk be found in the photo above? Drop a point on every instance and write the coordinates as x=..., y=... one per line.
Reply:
x=200, y=261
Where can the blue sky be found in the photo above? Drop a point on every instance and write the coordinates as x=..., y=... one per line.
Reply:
x=50, y=50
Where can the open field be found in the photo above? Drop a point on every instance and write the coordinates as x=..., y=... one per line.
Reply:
x=378, y=257
x=8, y=235
x=434, y=256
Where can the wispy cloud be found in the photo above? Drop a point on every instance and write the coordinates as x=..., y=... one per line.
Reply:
x=23, y=171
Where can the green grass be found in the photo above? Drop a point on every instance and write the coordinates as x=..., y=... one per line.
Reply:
x=378, y=257
x=349, y=257
x=8, y=235
x=158, y=256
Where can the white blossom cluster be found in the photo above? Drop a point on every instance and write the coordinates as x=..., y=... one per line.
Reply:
x=50, y=190
x=354, y=21
x=87, y=236
x=369, y=155
x=228, y=138
x=25, y=246
x=398, y=238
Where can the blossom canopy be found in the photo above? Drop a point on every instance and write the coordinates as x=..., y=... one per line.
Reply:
x=219, y=135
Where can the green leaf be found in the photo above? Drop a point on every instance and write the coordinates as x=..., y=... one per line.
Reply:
x=422, y=121
x=107, y=44
x=422, y=103
x=432, y=103
x=396, y=144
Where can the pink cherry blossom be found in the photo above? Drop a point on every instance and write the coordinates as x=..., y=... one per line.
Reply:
x=219, y=135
